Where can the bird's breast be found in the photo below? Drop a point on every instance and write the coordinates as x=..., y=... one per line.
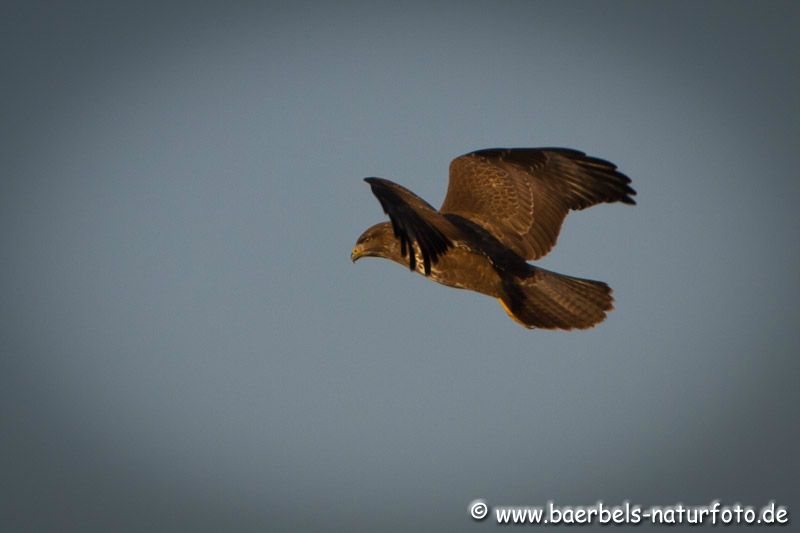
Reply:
x=463, y=268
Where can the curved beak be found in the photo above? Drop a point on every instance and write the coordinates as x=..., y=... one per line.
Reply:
x=356, y=254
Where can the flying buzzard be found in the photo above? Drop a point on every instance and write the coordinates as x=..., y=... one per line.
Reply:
x=504, y=206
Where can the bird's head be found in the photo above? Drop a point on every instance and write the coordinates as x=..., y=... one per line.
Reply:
x=377, y=241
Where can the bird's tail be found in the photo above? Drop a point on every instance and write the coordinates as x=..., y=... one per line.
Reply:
x=549, y=300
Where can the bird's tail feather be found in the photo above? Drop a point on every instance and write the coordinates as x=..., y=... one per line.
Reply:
x=549, y=300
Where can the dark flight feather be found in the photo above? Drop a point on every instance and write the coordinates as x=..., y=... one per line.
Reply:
x=413, y=221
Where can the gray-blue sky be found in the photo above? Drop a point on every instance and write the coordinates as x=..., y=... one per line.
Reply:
x=187, y=346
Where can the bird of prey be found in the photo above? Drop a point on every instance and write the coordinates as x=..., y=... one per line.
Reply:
x=504, y=207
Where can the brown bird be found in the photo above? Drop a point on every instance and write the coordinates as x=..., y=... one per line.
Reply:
x=504, y=206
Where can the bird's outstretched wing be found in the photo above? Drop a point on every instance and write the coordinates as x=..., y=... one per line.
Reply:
x=522, y=195
x=414, y=221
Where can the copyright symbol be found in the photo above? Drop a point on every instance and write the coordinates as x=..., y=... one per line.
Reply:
x=478, y=509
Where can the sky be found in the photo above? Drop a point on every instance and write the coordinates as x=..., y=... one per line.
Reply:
x=186, y=345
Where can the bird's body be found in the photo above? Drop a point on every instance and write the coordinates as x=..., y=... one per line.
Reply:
x=503, y=207
x=447, y=269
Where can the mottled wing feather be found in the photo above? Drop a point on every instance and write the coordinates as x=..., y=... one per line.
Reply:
x=522, y=195
x=414, y=221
